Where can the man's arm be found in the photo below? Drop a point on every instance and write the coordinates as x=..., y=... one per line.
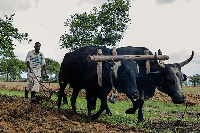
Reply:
x=29, y=67
x=45, y=69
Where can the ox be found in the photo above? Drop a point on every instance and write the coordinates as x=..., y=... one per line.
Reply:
x=166, y=77
x=79, y=73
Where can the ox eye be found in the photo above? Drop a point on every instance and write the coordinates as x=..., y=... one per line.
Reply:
x=178, y=75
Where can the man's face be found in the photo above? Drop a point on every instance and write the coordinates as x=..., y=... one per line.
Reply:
x=37, y=47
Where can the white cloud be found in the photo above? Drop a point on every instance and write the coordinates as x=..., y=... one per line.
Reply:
x=11, y=6
x=173, y=28
x=164, y=1
x=95, y=2
x=169, y=1
x=45, y=23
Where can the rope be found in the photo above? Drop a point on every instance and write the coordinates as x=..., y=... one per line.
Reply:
x=42, y=86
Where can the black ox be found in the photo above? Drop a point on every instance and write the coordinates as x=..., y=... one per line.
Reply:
x=79, y=73
x=167, y=78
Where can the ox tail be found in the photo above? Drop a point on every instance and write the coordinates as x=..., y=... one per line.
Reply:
x=61, y=94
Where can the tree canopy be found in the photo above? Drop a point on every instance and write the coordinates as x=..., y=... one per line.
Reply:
x=104, y=26
x=7, y=34
x=12, y=68
x=53, y=68
x=194, y=79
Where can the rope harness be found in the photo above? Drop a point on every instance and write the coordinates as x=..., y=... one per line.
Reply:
x=35, y=78
x=113, y=71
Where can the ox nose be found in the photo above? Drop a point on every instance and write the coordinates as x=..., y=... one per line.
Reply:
x=178, y=101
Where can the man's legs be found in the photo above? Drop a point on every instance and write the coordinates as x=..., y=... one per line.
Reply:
x=32, y=85
x=26, y=94
x=35, y=87
x=29, y=85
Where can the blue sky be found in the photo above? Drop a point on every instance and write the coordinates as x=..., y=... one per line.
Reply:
x=170, y=25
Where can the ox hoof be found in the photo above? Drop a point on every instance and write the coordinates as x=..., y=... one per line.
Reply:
x=109, y=113
x=130, y=111
x=141, y=121
x=75, y=113
x=94, y=117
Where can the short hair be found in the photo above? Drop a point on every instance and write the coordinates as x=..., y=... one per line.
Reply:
x=37, y=43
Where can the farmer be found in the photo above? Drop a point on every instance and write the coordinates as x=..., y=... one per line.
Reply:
x=34, y=60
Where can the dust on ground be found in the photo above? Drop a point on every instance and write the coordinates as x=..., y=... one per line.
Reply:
x=20, y=115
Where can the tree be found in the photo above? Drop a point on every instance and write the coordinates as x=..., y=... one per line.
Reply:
x=7, y=34
x=195, y=79
x=53, y=68
x=12, y=68
x=101, y=27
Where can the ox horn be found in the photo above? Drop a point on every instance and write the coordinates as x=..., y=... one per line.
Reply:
x=158, y=64
x=187, y=61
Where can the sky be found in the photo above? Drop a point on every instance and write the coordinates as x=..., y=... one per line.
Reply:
x=170, y=25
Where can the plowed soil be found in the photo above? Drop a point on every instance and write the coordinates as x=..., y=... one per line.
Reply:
x=192, y=98
x=20, y=115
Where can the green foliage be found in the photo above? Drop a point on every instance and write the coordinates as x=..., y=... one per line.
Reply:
x=12, y=68
x=11, y=93
x=7, y=34
x=104, y=26
x=195, y=79
x=53, y=68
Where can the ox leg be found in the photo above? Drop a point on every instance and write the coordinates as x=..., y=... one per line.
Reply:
x=102, y=108
x=107, y=109
x=89, y=103
x=73, y=99
x=136, y=105
x=140, y=114
x=94, y=99
x=94, y=106
x=61, y=93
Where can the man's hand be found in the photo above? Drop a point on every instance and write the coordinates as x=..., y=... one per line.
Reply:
x=31, y=71
x=46, y=76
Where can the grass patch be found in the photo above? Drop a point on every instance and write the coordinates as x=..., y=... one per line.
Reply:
x=152, y=111
x=11, y=93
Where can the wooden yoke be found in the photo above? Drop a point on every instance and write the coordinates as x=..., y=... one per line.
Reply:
x=99, y=58
x=114, y=52
x=146, y=52
x=99, y=64
x=125, y=57
x=99, y=68
x=160, y=53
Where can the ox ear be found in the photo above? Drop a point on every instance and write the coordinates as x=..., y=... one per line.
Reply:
x=184, y=77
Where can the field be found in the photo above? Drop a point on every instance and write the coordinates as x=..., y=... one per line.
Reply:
x=161, y=115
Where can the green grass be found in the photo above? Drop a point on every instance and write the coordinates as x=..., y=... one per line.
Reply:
x=11, y=93
x=152, y=110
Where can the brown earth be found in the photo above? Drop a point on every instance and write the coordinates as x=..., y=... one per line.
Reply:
x=192, y=98
x=20, y=115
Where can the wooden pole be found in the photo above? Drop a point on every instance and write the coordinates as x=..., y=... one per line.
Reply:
x=160, y=53
x=99, y=68
x=146, y=52
x=122, y=57
x=114, y=52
